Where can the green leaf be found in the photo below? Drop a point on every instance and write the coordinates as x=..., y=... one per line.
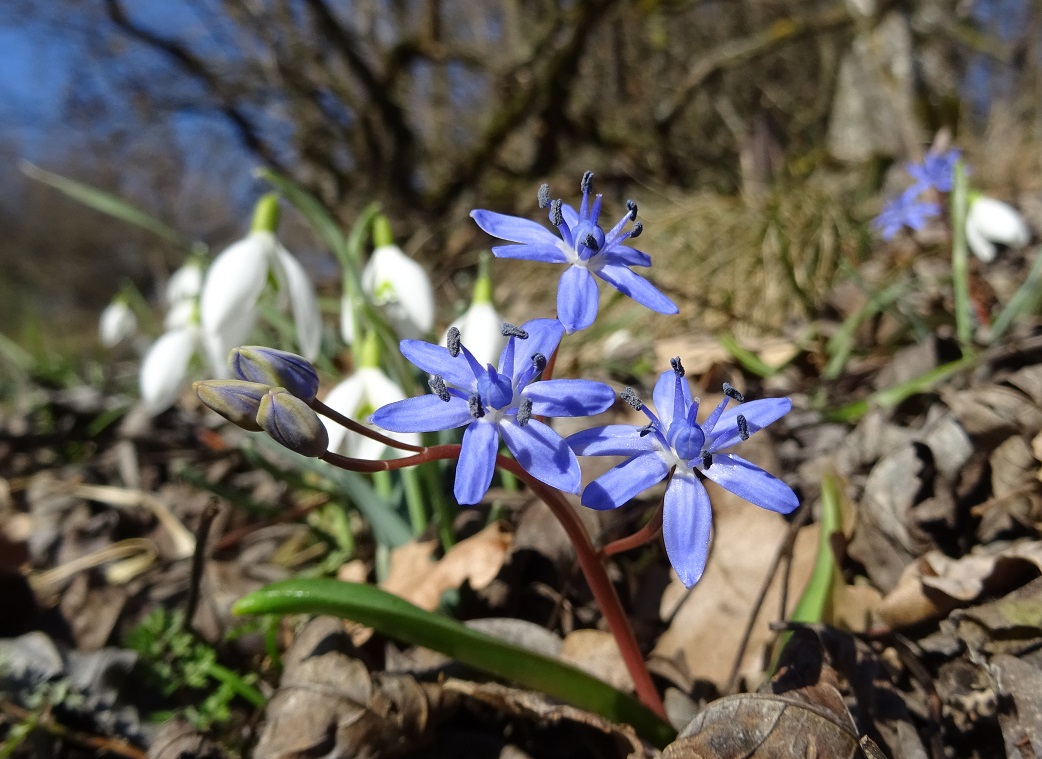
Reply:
x=960, y=258
x=401, y=620
x=108, y=204
x=745, y=357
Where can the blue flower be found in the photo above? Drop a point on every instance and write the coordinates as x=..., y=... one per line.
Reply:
x=674, y=440
x=498, y=402
x=935, y=171
x=585, y=247
x=906, y=210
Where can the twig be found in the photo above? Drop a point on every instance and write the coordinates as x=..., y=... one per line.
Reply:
x=48, y=723
x=199, y=561
x=784, y=549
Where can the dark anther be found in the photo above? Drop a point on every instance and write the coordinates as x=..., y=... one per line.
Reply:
x=544, y=195
x=707, y=459
x=539, y=362
x=743, y=428
x=631, y=398
x=678, y=368
x=632, y=206
x=556, y=214
x=437, y=385
x=452, y=340
x=474, y=403
x=509, y=330
x=591, y=242
x=524, y=412
x=733, y=394
x=584, y=185
x=647, y=429
x=637, y=229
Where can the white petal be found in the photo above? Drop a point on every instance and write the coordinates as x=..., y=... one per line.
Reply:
x=401, y=285
x=218, y=343
x=357, y=397
x=165, y=367
x=481, y=329
x=184, y=284
x=992, y=221
x=117, y=322
x=235, y=280
x=304, y=303
x=347, y=399
x=181, y=314
x=348, y=328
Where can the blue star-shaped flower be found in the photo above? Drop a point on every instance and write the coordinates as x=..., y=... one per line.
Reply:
x=585, y=247
x=494, y=402
x=935, y=171
x=674, y=440
x=906, y=210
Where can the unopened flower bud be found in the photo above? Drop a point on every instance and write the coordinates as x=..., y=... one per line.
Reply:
x=255, y=363
x=236, y=400
x=291, y=422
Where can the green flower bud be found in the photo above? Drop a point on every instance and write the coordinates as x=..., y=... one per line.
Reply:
x=255, y=363
x=235, y=400
x=291, y=422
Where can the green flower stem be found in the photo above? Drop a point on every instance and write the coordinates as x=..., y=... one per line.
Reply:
x=589, y=561
x=414, y=500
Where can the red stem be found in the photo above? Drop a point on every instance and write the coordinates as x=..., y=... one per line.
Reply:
x=589, y=561
x=361, y=429
x=645, y=534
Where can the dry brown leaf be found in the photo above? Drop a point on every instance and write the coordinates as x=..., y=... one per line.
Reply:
x=936, y=584
x=597, y=652
x=478, y=559
x=744, y=543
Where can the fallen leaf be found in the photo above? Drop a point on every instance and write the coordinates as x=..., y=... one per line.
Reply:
x=597, y=652
x=477, y=560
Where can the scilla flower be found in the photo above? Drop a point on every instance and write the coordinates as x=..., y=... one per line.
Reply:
x=496, y=403
x=585, y=247
x=674, y=440
x=240, y=273
x=990, y=223
x=357, y=397
x=906, y=210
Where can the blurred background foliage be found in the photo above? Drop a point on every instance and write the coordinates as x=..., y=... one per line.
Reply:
x=753, y=131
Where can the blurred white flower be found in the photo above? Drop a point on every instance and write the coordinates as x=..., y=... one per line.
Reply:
x=348, y=327
x=400, y=286
x=117, y=323
x=185, y=284
x=238, y=275
x=165, y=367
x=481, y=330
x=990, y=223
x=358, y=397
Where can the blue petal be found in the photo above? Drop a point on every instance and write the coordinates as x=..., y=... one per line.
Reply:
x=544, y=454
x=436, y=359
x=687, y=521
x=636, y=287
x=758, y=414
x=514, y=228
x=544, y=335
x=617, y=486
x=665, y=387
x=427, y=413
x=627, y=256
x=577, y=299
x=550, y=254
x=477, y=462
x=750, y=482
x=612, y=440
x=571, y=216
x=569, y=397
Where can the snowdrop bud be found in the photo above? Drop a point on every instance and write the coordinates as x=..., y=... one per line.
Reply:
x=291, y=422
x=235, y=400
x=990, y=223
x=117, y=323
x=185, y=284
x=481, y=326
x=268, y=366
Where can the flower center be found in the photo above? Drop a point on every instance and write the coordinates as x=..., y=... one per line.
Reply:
x=589, y=239
x=495, y=389
x=686, y=439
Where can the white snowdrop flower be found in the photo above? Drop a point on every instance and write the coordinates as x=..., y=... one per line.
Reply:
x=358, y=397
x=184, y=284
x=348, y=327
x=990, y=223
x=181, y=313
x=239, y=274
x=117, y=323
x=165, y=367
x=401, y=287
x=481, y=326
